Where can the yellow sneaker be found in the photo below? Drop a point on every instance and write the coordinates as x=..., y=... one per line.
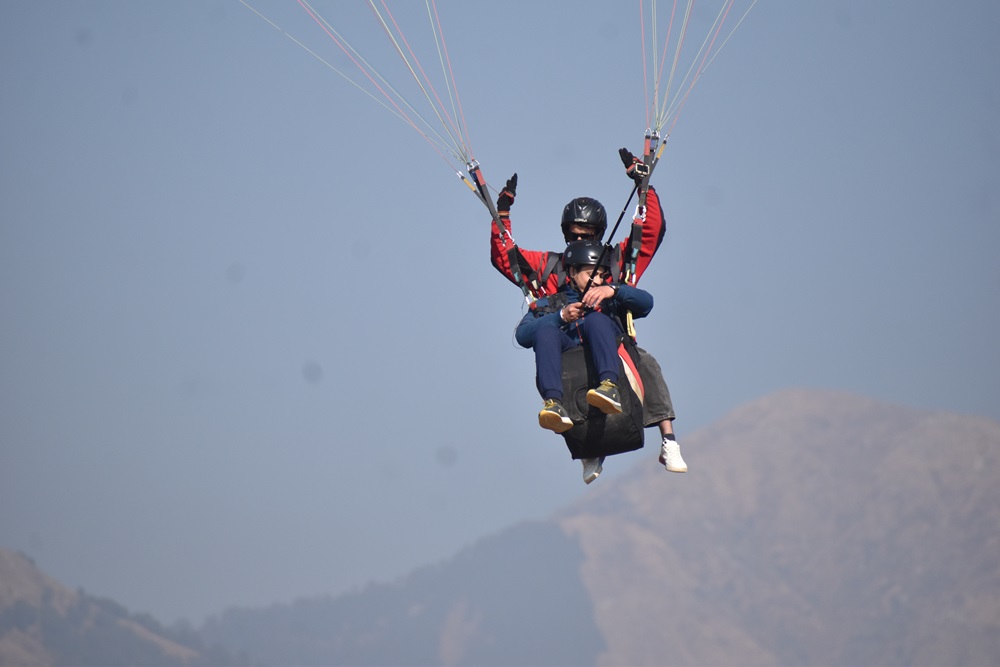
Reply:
x=553, y=417
x=606, y=398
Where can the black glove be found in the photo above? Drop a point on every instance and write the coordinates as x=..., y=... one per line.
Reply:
x=506, y=198
x=634, y=167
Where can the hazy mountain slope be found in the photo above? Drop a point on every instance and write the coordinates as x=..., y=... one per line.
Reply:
x=813, y=528
x=43, y=623
x=515, y=598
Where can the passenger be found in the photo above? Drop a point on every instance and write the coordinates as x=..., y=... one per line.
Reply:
x=574, y=316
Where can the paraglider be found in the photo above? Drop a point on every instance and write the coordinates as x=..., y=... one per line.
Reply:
x=612, y=414
x=584, y=220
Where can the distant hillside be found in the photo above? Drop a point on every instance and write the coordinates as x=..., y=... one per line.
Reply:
x=43, y=624
x=814, y=528
x=513, y=598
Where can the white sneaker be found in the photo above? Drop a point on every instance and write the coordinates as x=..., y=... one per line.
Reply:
x=592, y=469
x=670, y=457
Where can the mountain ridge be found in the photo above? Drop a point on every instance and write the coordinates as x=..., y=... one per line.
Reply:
x=814, y=527
x=883, y=475
x=44, y=623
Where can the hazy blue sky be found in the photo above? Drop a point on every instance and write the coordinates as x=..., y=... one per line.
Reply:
x=251, y=345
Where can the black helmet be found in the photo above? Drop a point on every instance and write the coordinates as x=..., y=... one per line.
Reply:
x=584, y=211
x=585, y=253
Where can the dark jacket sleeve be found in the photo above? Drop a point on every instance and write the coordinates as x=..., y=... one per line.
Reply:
x=527, y=330
x=639, y=301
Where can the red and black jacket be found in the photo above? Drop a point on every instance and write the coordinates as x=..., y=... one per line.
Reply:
x=543, y=270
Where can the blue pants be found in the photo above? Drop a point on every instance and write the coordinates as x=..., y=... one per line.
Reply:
x=600, y=338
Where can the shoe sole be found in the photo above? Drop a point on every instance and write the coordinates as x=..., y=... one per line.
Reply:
x=553, y=422
x=592, y=476
x=603, y=403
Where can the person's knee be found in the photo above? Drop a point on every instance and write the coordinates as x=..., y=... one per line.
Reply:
x=597, y=321
x=548, y=336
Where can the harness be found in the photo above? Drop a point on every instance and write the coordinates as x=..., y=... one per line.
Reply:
x=553, y=304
